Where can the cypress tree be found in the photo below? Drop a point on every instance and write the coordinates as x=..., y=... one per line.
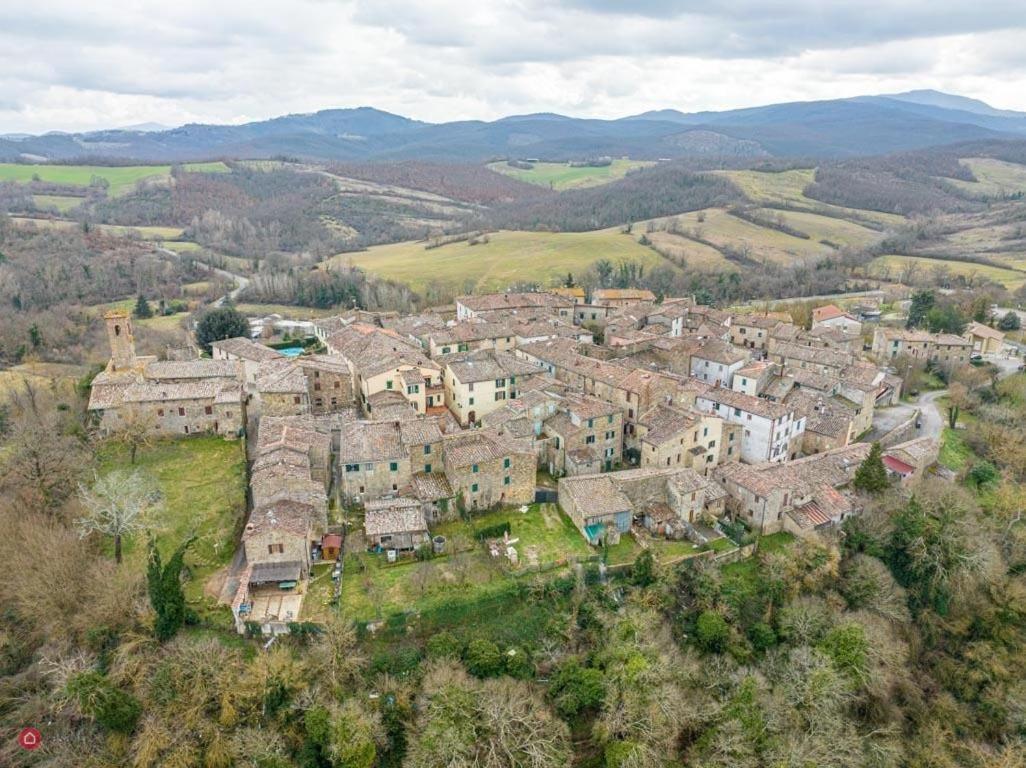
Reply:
x=142, y=308
x=871, y=476
x=164, y=584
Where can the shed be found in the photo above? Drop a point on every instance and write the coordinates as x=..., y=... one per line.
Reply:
x=331, y=546
x=276, y=573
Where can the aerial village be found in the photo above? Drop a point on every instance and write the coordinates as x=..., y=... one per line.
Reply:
x=635, y=423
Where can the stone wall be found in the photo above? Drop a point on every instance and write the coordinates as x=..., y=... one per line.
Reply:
x=901, y=433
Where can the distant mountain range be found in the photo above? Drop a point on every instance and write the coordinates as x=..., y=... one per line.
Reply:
x=837, y=128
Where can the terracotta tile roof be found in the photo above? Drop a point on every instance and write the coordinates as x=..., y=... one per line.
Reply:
x=828, y=312
x=665, y=423
x=281, y=377
x=801, y=477
x=481, y=445
x=718, y=351
x=389, y=516
x=367, y=441
x=372, y=350
x=621, y=294
x=163, y=370
x=284, y=515
x=747, y=403
x=431, y=486
x=985, y=331
x=491, y=302
x=595, y=495
x=487, y=365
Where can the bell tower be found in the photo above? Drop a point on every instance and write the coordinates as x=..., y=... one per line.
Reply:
x=121, y=338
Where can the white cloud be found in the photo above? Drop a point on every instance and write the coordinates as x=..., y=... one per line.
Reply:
x=70, y=66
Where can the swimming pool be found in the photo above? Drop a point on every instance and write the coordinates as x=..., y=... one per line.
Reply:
x=292, y=351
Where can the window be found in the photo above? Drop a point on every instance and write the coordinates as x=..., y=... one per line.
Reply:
x=352, y=467
x=427, y=449
x=272, y=548
x=470, y=400
x=730, y=451
x=512, y=379
x=591, y=423
x=609, y=419
x=500, y=382
x=181, y=411
x=473, y=468
x=445, y=350
x=505, y=480
x=712, y=443
x=427, y=469
x=500, y=395
x=413, y=389
x=470, y=387
x=705, y=431
x=395, y=487
x=473, y=488
x=388, y=384
x=557, y=441
x=737, y=412
x=393, y=466
x=317, y=386
x=610, y=435
x=209, y=409
x=368, y=467
x=589, y=439
x=160, y=411
x=296, y=399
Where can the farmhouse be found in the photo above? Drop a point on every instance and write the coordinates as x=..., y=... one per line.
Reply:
x=985, y=340
x=832, y=316
x=395, y=524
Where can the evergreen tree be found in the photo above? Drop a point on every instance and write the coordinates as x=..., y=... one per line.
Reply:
x=922, y=303
x=142, y=308
x=871, y=476
x=164, y=584
x=221, y=323
x=1009, y=322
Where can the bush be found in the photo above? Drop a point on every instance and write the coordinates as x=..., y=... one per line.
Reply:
x=712, y=632
x=112, y=708
x=762, y=636
x=848, y=649
x=518, y=664
x=400, y=661
x=221, y=323
x=496, y=531
x=576, y=688
x=444, y=645
x=982, y=473
x=483, y=658
x=1009, y=322
x=643, y=572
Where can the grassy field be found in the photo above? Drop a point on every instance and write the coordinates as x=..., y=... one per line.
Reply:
x=508, y=257
x=203, y=480
x=286, y=311
x=62, y=203
x=145, y=233
x=372, y=588
x=893, y=265
x=561, y=176
x=121, y=179
x=954, y=453
x=763, y=243
x=786, y=188
x=995, y=178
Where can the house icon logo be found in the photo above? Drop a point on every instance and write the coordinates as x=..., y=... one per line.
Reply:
x=30, y=738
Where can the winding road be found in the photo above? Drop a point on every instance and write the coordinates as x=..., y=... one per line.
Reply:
x=241, y=281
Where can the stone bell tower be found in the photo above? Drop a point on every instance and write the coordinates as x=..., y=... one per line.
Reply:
x=121, y=338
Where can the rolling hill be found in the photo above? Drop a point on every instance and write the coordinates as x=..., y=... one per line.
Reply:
x=822, y=129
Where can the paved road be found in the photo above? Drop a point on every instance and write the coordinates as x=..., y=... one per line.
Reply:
x=241, y=282
x=931, y=420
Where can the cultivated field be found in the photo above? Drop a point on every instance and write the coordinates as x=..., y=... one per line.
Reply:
x=561, y=176
x=143, y=233
x=122, y=179
x=507, y=257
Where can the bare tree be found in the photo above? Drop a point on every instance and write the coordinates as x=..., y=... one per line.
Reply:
x=119, y=504
x=136, y=429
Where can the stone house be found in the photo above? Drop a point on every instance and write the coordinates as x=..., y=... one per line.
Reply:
x=832, y=316
x=605, y=506
x=489, y=467
x=675, y=437
x=585, y=436
x=173, y=397
x=470, y=336
x=397, y=524
x=940, y=348
x=490, y=305
x=478, y=383
x=281, y=389
x=985, y=340
x=716, y=362
x=373, y=462
x=620, y=297
x=770, y=431
x=752, y=331
x=248, y=353
x=280, y=532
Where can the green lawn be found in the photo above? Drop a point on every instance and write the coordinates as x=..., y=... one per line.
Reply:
x=507, y=257
x=994, y=178
x=122, y=179
x=561, y=176
x=203, y=481
x=371, y=587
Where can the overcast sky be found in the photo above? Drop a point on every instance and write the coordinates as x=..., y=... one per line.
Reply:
x=81, y=66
